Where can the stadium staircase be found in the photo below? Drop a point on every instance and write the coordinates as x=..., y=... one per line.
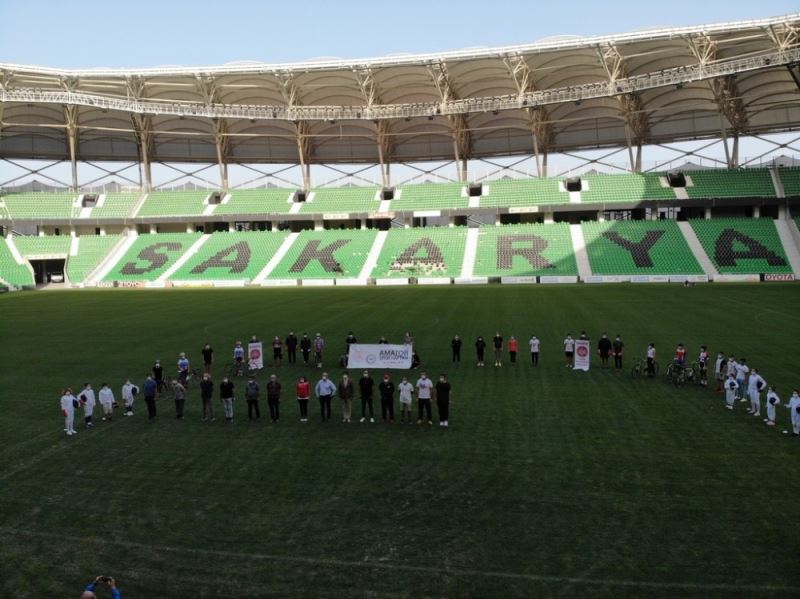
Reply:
x=579, y=249
x=120, y=248
x=193, y=249
x=374, y=254
x=277, y=258
x=697, y=250
x=790, y=239
x=470, y=253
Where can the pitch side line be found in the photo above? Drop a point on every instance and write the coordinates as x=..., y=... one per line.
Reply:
x=406, y=568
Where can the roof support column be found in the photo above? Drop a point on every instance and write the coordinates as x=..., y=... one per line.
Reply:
x=144, y=138
x=71, y=118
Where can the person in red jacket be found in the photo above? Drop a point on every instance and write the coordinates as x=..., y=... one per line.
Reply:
x=513, y=346
x=303, y=391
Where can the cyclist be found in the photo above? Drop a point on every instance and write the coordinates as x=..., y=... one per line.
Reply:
x=703, y=359
x=651, y=360
x=238, y=358
x=183, y=369
x=680, y=355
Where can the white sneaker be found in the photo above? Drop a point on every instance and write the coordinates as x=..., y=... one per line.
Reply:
x=729, y=407
x=362, y=420
x=749, y=411
x=766, y=420
x=73, y=432
x=446, y=423
x=372, y=420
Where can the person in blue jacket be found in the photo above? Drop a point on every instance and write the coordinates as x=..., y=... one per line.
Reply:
x=88, y=592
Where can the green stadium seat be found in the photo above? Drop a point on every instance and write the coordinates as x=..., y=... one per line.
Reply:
x=32, y=246
x=150, y=256
x=116, y=205
x=315, y=255
x=92, y=249
x=730, y=183
x=174, y=203
x=422, y=252
x=790, y=178
x=525, y=250
x=36, y=206
x=742, y=245
x=342, y=199
x=658, y=248
x=256, y=201
x=522, y=193
x=630, y=187
x=430, y=196
x=13, y=273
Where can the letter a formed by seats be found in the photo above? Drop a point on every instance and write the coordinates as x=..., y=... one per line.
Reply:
x=725, y=255
x=409, y=255
x=532, y=253
x=324, y=255
x=236, y=264
x=640, y=251
x=153, y=256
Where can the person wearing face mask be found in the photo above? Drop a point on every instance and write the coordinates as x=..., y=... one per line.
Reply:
x=325, y=390
x=346, y=392
x=424, y=386
x=386, y=390
x=406, y=390
x=794, y=410
x=365, y=387
x=443, y=400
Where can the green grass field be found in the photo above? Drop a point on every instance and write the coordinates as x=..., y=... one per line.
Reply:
x=547, y=483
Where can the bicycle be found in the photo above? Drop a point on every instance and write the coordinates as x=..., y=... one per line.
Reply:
x=192, y=373
x=640, y=368
x=679, y=375
x=235, y=369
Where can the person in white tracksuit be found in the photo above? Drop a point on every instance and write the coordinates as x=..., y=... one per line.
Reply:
x=88, y=402
x=106, y=396
x=772, y=401
x=730, y=391
x=68, y=411
x=755, y=383
x=129, y=391
x=794, y=409
x=742, y=370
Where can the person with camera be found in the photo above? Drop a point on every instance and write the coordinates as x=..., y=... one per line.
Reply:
x=88, y=592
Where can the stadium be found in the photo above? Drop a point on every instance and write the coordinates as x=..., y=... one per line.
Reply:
x=577, y=184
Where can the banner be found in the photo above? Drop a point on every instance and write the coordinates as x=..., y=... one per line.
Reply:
x=363, y=355
x=255, y=355
x=582, y=355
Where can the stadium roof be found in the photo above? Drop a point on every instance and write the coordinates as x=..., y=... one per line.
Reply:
x=564, y=94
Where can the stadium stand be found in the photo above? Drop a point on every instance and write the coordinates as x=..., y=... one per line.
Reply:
x=430, y=196
x=731, y=183
x=272, y=200
x=522, y=192
x=790, y=178
x=91, y=251
x=422, y=252
x=625, y=188
x=34, y=246
x=116, y=205
x=326, y=255
x=36, y=206
x=342, y=199
x=638, y=247
x=742, y=245
x=174, y=203
x=525, y=250
x=150, y=256
x=231, y=256
x=13, y=273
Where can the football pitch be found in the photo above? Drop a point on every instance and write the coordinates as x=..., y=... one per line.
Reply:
x=548, y=482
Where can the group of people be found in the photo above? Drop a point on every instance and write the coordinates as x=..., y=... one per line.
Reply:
x=325, y=391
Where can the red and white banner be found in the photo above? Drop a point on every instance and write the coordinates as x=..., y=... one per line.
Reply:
x=582, y=355
x=255, y=355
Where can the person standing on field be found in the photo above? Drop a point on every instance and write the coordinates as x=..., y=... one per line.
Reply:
x=651, y=360
x=277, y=351
x=534, y=345
x=226, y=389
x=794, y=410
x=742, y=370
x=617, y=348
x=106, y=397
x=480, y=350
x=150, y=389
x=129, y=391
x=366, y=385
x=346, y=392
x=569, y=351
x=208, y=358
x=731, y=386
x=274, y=398
x=772, y=401
x=158, y=377
x=303, y=392
x=720, y=370
x=179, y=393
x=305, y=348
x=702, y=360
x=251, y=395
x=291, y=348
x=68, y=402
x=497, y=342
x=325, y=390
x=443, y=400
x=406, y=390
x=455, y=345
x=604, y=349
x=424, y=386
x=207, y=397
x=88, y=402
x=386, y=391
x=755, y=384
x=513, y=347
x=319, y=345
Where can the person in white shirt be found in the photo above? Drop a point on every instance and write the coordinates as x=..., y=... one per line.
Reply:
x=406, y=390
x=534, y=343
x=794, y=410
x=68, y=411
x=569, y=351
x=772, y=401
x=106, y=397
x=424, y=386
x=88, y=402
x=702, y=359
x=719, y=371
x=730, y=391
x=742, y=370
x=730, y=367
x=754, y=386
x=129, y=391
x=651, y=360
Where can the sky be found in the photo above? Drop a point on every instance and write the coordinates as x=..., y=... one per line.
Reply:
x=146, y=33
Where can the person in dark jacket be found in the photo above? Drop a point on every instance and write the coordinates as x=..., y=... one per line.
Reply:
x=226, y=389
x=604, y=349
x=365, y=387
x=274, y=398
x=386, y=390
x=179, y=394
x=150, y=388
x=251, y=395
x=480, y=350
x=305, y=347
x=443, y=400
x=455, y=345
x=291, y=348
x=206, y=396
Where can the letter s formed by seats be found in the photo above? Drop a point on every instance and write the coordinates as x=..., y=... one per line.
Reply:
x=151, y=255
x=222, y=259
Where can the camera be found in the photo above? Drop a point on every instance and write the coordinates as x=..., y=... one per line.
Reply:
x=105, y=578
